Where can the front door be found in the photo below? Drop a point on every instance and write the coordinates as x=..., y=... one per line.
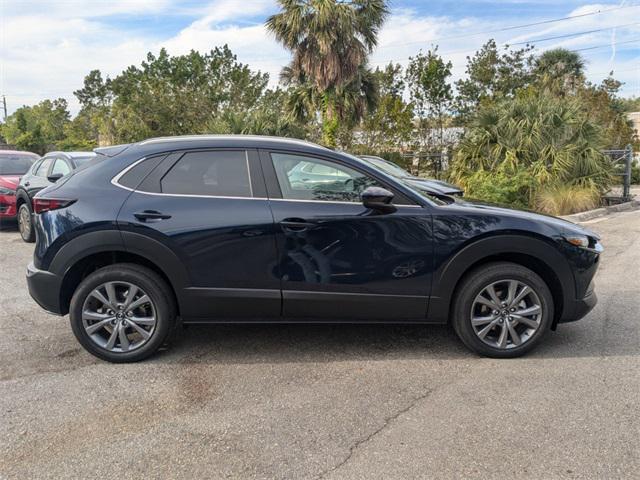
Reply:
x=336, y=258
x=210, y=209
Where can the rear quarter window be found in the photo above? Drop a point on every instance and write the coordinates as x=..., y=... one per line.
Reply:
x=135, y=175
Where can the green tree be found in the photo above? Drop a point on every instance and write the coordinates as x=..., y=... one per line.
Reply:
x=431, y=96
x=491, y=75
x=330, y=41
x=39, y=128
x=390, y=125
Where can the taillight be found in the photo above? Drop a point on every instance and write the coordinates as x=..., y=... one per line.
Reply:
x=41, y=205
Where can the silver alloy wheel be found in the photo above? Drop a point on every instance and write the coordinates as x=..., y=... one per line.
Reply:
x=119, y=316
x=24, y=221
x=506, y=314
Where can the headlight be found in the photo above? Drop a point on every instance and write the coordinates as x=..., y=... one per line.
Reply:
x=586, y=242
x=578, y=240
x=7, y=191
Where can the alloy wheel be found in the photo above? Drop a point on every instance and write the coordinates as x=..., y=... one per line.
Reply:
x=506, y=314
x=119, y=316
x=24, y=222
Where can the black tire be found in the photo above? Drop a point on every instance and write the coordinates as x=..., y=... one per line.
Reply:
x=475, y=282
x=155, y=288
x=25, y=223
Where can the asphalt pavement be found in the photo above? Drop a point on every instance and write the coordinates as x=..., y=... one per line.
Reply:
x=353, y=402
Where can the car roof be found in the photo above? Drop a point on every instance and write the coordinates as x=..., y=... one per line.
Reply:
x=72, y=155
x=20, y=152
x=212, y=141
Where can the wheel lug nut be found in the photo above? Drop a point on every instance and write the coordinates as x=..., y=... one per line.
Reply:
x=129, y=314
x=496, y=312
x=513, y=309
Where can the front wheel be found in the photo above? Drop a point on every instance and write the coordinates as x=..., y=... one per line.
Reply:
x=122, y=313
x=502, y=310
x=25, y=225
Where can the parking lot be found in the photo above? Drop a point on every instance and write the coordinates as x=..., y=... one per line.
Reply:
x=326, y=401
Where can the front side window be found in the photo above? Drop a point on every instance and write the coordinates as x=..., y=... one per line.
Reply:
x=218, y=174
x=307, y=178
x=60, y=168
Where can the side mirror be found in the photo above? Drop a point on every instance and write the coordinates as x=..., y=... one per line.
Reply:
x=378, y=199
x=55, y=177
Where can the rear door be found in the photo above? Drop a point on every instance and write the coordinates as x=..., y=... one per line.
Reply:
x=337, y=259
x=38, y=180
x=209, y=207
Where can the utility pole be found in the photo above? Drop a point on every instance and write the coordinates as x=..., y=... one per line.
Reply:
x=4, y=106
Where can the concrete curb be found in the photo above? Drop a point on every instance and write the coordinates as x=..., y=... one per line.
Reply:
x=601, y=212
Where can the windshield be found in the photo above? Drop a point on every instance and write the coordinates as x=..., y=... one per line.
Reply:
x=387, y=167
x=79, y=161
x=15, y=164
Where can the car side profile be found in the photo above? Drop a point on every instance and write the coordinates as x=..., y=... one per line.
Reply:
x=46, y=171
x=225, y=229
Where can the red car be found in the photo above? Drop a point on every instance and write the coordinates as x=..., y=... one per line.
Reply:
x=13, y=164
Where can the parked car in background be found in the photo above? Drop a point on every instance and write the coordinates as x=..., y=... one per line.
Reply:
x=13, y=164
x=224, y=229
x=48, y=170
x=429, y=185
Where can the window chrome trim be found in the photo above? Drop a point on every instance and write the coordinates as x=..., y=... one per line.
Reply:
x=117, y=177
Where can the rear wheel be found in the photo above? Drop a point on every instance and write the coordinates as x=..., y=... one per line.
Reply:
x=502, y=310
x=24, y=223
x=122, y=313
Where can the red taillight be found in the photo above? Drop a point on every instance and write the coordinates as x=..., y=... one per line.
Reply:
x=41, y=205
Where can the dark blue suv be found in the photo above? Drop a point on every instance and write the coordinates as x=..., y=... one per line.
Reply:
x=233, y=229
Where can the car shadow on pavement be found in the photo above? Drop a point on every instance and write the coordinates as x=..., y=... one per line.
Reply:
x=8, y=226
x=298, y=343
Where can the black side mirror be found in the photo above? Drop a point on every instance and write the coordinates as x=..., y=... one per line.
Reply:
x=55, y=177
x=378, y=199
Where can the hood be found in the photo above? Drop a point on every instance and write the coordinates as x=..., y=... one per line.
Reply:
x=437, y=185
x=565, y=226
x=9, y=181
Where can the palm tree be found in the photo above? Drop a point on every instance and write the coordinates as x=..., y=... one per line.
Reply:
x=560, y=70
x=550, y=139
x=330, y=41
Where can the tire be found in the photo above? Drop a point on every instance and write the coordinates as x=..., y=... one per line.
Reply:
x=473, y=316
x=25, y=224
x=87, y=311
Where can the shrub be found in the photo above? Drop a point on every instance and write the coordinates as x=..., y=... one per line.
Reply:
x=508, y=189
x=563, y=199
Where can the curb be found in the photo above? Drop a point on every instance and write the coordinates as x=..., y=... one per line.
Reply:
x=601, y=212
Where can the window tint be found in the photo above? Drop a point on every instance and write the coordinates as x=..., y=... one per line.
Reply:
x=306, y=178
x=221, y=173
x=44, y=167
x=134, y=177
x=60, y=167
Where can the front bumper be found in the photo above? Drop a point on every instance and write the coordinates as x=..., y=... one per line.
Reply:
x=44, y=288
x=578, y=309
x=7, y=206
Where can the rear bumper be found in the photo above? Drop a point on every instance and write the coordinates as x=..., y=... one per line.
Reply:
x=44, y=288
x=578, y=309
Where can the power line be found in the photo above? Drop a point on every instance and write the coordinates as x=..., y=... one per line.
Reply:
x=610, y=44
x=511, y=27
x=568, y=35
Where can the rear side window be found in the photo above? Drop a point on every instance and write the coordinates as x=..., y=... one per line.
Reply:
x=218, y=173
x=138, y=173
x=44, y=167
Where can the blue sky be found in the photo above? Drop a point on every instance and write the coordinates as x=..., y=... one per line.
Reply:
x=47, y=46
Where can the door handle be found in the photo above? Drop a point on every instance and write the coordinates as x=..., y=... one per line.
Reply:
x=151, y=215
x=295, y=224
